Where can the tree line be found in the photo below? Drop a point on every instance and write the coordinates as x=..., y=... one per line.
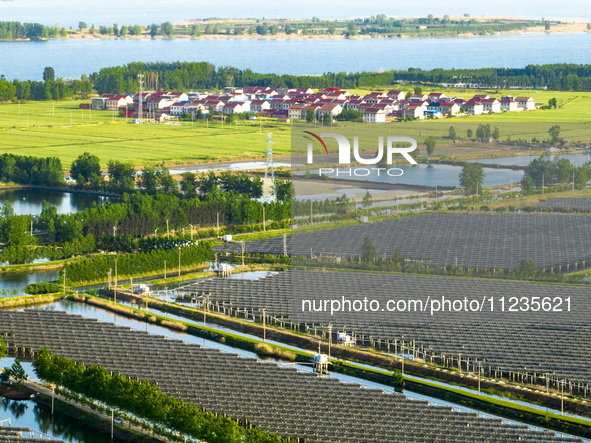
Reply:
x=145, y=400
x=203, y=75
x=97, y=268
x=29, y=170
x=183, y=76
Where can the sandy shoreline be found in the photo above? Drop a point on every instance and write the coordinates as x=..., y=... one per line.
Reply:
x=566, y=27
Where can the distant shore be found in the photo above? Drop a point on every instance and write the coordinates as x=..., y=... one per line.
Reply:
x=562, y=27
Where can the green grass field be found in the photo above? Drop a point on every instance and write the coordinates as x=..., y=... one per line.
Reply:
x=62, y=129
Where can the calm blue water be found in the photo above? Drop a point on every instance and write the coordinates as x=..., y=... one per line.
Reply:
x=575, y=159
x=428, y=175
x=72, y=58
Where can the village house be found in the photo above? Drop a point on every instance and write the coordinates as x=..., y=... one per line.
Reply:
x=436, y=96
x=491, y=105
x=418, y=97
x=449, y=108
x=508, y=104
x=372, y=115
x=396, y=95
x=259, y=105
x=325, y=110
x=525, y=103
x=157, y=103
x=298, y=111
x=115, y=102
x=177, y=108
x=413, y=111
x=233, y=108
x=98, y=103
x=473, y=107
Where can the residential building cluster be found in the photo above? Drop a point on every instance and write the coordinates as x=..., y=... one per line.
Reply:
x=295, y=104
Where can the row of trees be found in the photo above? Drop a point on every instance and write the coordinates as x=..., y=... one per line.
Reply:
x=203, y=75
x=145, y=400
x=96, y=268
x=544, y=172
x=86, y=170
x=28, y=170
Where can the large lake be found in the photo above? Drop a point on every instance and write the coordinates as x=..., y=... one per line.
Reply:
x=74, y=57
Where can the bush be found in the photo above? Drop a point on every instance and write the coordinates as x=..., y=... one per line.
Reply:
x=42, y=288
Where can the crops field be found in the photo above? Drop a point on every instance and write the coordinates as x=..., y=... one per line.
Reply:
x=61, y=129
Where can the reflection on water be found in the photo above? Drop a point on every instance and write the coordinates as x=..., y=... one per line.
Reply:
x=21, y=280
x=27, y=201
x=420, y=175
x=28, y=414
x=524, y=160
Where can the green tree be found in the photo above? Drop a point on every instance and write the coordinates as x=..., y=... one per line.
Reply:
x=368, y=251
x=82, y=25
x=554, y=133
x=124, y=31
x=430, y=143
x=527, y=183
x=483, y=132
x=167, y=29
x=469, y=133
x=153, y=30
x=310, y=115
x=418, y=90
x=452, y=133
x=189, y=184
x=84, y=167
x=496, y=134
x=3, y=349
x=367, y=200
x=48, y=74
x=121, y=176
x=553, y=103
x=115, y=30
x=472, y=177
x=397, y=258
x=527, y=267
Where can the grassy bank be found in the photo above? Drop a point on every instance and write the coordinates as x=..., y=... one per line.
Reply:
x=29, y=300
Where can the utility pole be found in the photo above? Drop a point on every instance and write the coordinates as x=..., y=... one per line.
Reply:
x=31, y=228
x=218, y=223
x=191, y=231
x=114, y=231
x=329, y=338
x=167, y=230
x=264, y=325
x=109, y=273
x=264, y=227
x=562, y=398
x=179, y=261
x=115, y=289
x=285, y=245
x=140, y=80
x=64, y=280
x=165, y=269
x=479, y=374
x=112, y=422
x=242, y=249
